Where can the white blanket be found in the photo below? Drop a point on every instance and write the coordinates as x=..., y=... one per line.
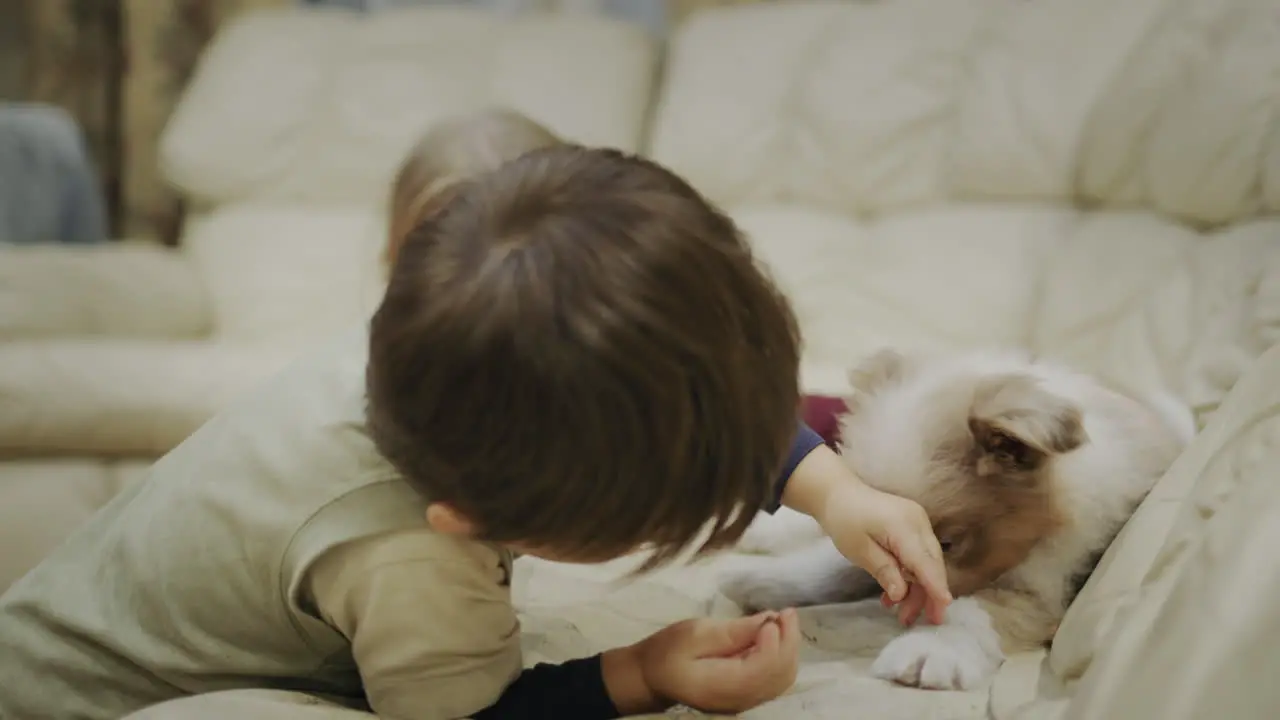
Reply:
x=572, y=611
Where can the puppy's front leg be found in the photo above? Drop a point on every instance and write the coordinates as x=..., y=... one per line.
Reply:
x=959, y=654
x=815, y=575
x=784, y=531
x=1022, y=620
x=970, y=644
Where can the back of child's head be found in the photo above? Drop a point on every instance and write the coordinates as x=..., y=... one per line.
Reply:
x=455, y=149
x=581, y=355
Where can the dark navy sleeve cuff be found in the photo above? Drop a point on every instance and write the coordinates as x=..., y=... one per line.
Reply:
x=574, y=690
x=806, y=442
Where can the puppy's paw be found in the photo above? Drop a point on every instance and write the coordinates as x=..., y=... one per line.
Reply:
x=960, y=654
x=934, y=661
x=754, y=587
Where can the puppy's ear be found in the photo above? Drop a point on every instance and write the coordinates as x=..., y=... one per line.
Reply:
x=883, y=366
x=1018, y=424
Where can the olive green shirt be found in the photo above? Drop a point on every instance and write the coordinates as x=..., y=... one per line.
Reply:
x=275, y=548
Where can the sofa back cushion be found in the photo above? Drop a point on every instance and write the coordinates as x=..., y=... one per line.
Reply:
x=1153, y=306
x=948, y=277
x=872, y=106
x=1144, y=302
x=287, y=274
x=291, y=130
x=985, y=172
x=319, y=106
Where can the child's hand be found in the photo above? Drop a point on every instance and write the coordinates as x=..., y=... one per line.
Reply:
x=891, y=538
x=723, y=666
x=886, y=535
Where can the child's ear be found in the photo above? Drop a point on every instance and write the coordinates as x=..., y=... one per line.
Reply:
x=446, y=520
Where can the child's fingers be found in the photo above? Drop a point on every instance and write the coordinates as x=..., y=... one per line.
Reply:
x=935, y=610
x=769, y=637
x=768, y=668
x=924, y=560
x=911, y=606
x=782, y=673
x=789, y=634
x=731, y=637
x=884, y=568
x=763, y=671
x=765, y=646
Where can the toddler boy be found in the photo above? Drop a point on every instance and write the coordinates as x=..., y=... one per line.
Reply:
x=577, y=357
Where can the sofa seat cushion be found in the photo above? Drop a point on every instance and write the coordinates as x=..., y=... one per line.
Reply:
x=120, y=289
x=119, y=397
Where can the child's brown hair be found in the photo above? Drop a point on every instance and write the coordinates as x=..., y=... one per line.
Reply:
x=452, y=150
x=581, y=354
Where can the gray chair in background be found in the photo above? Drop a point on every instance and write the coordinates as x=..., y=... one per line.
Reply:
x=49, y=191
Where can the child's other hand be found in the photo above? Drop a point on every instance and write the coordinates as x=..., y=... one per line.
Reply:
x=723, y=666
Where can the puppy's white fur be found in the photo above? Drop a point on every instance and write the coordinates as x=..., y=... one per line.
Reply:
x=1027, y=471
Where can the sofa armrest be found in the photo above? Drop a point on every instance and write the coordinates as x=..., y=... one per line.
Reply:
x=121, y=289
x=1199, y=640
x=119, y=396
x=1170, y=624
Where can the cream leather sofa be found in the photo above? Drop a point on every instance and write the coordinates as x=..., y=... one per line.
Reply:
x=285, y=145
x=1097, y=181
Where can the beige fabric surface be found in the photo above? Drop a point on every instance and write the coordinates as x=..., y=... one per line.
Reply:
x=1237, y=450
x=1180, y=622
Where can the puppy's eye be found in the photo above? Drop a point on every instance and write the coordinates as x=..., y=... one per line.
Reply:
x=1005, y=444
x=946, y=545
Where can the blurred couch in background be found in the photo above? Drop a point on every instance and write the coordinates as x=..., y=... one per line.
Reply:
x=117, y=68
x=1092, y=180
x=283, y=147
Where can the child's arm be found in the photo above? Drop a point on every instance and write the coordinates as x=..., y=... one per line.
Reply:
x=721, y=666
x=889, y=536
x=805, y=442
x=433, y=633
x=600, y=687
